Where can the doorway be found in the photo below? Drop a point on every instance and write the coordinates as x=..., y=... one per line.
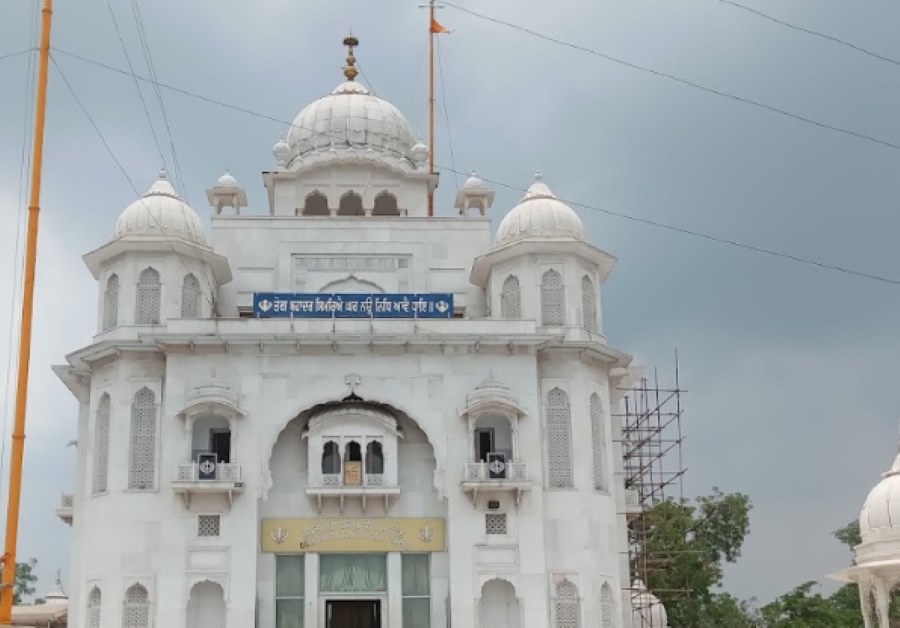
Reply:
x=353, y=614
x=220, y=444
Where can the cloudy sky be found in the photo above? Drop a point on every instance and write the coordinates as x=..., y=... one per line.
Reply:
x=790, y=367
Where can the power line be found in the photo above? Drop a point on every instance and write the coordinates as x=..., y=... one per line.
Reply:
x=809, y=31
x=446, y=114
x=10, y=55
x=682, y=81
x=623, y=215
x=210, y=298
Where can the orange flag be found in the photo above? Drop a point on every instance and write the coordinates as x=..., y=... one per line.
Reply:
x=437, y=28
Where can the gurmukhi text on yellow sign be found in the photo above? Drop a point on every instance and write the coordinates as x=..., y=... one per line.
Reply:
x=290, y=536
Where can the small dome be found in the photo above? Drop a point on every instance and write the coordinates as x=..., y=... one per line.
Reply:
x=475, y=184
x=646, y=609
x=227, y=181
x=160, y=211
x=351, y=118
x=539, y=215
x=880, y=515
x=282, y=153
x=419, y=154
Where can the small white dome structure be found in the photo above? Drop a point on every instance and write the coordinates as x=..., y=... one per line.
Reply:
x=880, y=516
x=646, y=609
x=160, y=212
x=474, y=194
x=539, y=215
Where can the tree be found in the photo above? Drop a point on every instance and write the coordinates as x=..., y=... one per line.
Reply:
x=681, y=558
x=799, y=609
x=25, y=580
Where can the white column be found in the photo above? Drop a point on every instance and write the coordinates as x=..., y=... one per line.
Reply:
x=883, y=603
x=311, y=590
x=865, y=603
x=395, y=591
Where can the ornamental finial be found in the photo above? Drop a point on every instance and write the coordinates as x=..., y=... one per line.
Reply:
x=350, y=70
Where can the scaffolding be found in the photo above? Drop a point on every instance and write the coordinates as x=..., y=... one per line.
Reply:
x=653, y=469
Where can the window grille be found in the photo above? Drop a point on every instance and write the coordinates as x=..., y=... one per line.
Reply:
x=598, y=440
x=588, y=304
x=374, y=458
x=93, y=608
x=606, y=606
x=208, y=525
x=190, y=297
x=149, y=294
x=495, y=523
x=568, y=607
x=142, y=465
x=331, y=458
x=289, y=585
x=416, y=590
x=101, y=445
x=552, y=310
x=136, y=613
x=111, y=303
x=559, y=440
x=511, y=299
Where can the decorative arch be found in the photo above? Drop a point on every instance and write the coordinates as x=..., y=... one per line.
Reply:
x=149, y=298
x=598, y=439
x=559, y=440
x=567, y=605
x=316, y=204
x=607, y=606
x=588, y=304
x=499, y=605
x=101, y=445
x=190, y=297
x=206, y=604
x=511, y=299
x=136, y=609
x=111, y=303
x=142, y=454
x=552, y=299
x=386, y=205
x=351, y=284
x=94, y=608
x=351, y=205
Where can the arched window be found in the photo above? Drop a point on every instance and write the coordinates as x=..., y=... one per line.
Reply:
x=148, y=298
x=568, y=607
x=111, y=303
x=552, y=309
x=136, y=611
x=559, y=440
x=142, y=462
x=101, y=445
x=353, y=452
x=511, y=299
x=598, y=441
x=93, y=608
x=190, y=297
x=316, y=205
x=351, y=205
x=386, y=205
x=606, y=606
x=588, y=304
x=374, y=458
x=331, y=459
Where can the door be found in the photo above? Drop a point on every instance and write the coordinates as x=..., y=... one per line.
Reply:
x=353, y=614
x=220, y=443
x=484, y=443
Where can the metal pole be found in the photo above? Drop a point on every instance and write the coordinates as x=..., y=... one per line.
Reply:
x=7, y=587
x=431, y=104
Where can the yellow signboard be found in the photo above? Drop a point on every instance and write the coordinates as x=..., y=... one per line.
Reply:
x=291, y=536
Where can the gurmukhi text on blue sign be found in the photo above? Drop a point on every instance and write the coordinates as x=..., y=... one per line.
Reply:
x=353, y=305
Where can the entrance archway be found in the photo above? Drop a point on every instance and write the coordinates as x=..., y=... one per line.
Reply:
x=207, y=605
x=499, y=605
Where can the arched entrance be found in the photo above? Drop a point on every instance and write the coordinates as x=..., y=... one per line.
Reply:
x=206, y=607
x=499, y=605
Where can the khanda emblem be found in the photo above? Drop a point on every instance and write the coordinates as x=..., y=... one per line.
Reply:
x=279, y=535
x=442, y=306
x=265, y=305
x=426, y=534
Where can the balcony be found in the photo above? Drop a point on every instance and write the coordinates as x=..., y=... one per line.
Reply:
x=481, y=477
x=223, y=478
x=336, y=485
x=66, y=509
x=633, y=507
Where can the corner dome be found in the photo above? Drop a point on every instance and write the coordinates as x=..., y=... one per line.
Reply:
x=160, y=212
x=539, y=215
x=646, y=609
x=880, y=515
x=351, y=118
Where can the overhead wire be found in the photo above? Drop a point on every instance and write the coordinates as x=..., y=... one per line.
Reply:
x=446, y=114
x=623, y=215
x=10, y=55
x=683, y=81
x=809, y=31
x=210, y=298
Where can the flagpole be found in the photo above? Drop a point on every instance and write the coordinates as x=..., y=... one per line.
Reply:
x=431, y=104
x=7, y=588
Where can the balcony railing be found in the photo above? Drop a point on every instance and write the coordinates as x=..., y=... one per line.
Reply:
x=223, y=478
x=334, y=486
x=335, y=480
x=481, y=472
x=224, y=472
x=66, y=509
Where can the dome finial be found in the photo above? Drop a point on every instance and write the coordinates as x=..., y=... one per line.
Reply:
x=350, y=70
x=163, y=174
x=538, y=176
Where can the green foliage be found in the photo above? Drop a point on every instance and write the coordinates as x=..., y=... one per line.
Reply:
x=25, y=580
x=684, y=551
x=801, y=609
x=849, y=534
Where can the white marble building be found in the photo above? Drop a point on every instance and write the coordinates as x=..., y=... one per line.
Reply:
x=242, y=470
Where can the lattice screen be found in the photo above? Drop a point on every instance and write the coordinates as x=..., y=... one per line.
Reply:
x=552, y=308
x=588, y=303
x=606, y=606
x=136, y=611
x=511, y=299
x=111, y=303
x=208, y=525
x=190, y=297
x=101, y=445
x=568, y=607
x=149, y=296
x=142, y=466
x=559, y=439
x=597, y=440
x=495, y=523
x=94, y=603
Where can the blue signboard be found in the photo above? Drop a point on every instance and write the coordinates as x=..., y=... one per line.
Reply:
x=351, y=305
